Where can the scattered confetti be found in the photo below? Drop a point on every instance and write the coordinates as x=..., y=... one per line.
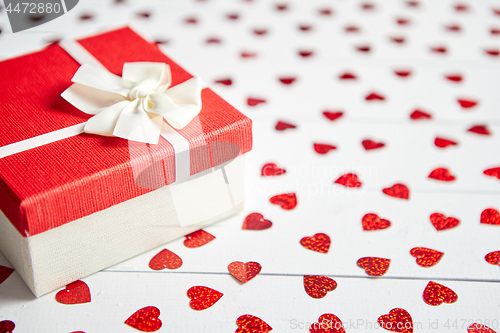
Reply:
x=203, y=297
x=198, y=238
x=437, y=294
x=426, y=257
x=75, y=293
x=319, y=242
x=318, y=286
x=244, y=272
x=374, y=266
x=165, y=259
x=145, y=319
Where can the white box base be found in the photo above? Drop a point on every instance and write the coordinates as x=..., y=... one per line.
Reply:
x=59, y=256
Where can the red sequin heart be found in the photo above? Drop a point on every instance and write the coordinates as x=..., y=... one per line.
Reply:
x=191, y=20
x=325, y=11
x=281, y=126
x=439, y=49
x=492, y=52
x=367, y=6
x=402, y=73
x=287, y=80
x=443, y=143
x=5, y=272
x=251, y=324
x=145, y=319
x=319, y=242
x=327, y=323
x=198, y=238
x=398, y=40
x=363, y=48
x=441, y=174
x=305, y=53
x=248, y=54
x=397, y=191
x=467, y=103
x=287, y=201
x=479, y=328
x=479, y=129
x=441, y=222
x=454, y=77
x=372, y=222
x=493, y=258
x=256, y=221
x=374, y=266
x=333, y=115
x=426, y=257
x=374, y=97
x=412, y=4
x=271, y=169
x=203, y=297
x=490, y=216
x=453, y=27
x=461, y=7
x=402, y=21
x=419, y=114
x=165, y=259
x=437, y=294
x=495, y=31
x=349, y=180
x=494, y=172
x=233, y=16
x=323, y=148
x=398, y=320
x=7, y=326
x=244, y=272
x=75, y=293
x=255, y=101
x=351, y=28
x=213, y=40
x=370, y=144
x=347, y=76
x=226, y=82
x=318, y=286
x=281, y=7
x=305, y=28
x=260, y=32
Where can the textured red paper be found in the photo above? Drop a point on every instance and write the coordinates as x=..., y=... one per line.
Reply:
x=48, y=186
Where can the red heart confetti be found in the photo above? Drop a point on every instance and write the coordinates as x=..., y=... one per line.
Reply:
x=372, y=222
x=398, y=320
x=439, y=49
x=203, y=297
x=271, y=169
x=398, y=40
x=402, y=73
x=443, y=143
x=453, y=27
x=226, y=82
x=413, y=4
x=437, y=294
x=144, y=15
x=441, y=222
x=466, y=103
x=363, y=48
x=287, y=201
x=374, y=97
x=287, y=80
x=198, y=238
x=492, y=52
x=331, y=115
x=305, y=53
x=370, y=144
x=232, y=16
x=319, y=242
x=165, y=259
x=327, y=323
x=479, y=328
x=281, y=126
x=5, y=272
x=493, y=258
x=490, y=216
x=191, y=20
x=281, y=7
x=7, y=326
x=248, y=54
x=441, y=174
x=145, y=319
x=374, y=266
x=367, y=6
x=305, y=28
x=496, y=11
x=493, y=172
x=255, y=101
x=460, y=7
x=479, y=129
x=213, y=40
x=397, y=191
x=347, y=76
x=349, y=180
x=318, y=286
x=75, y=293
x=244, y=272
x=454, y=77
x=325, y=11
x=256, y=221
x=426, y=257
x=321, y=148
x=251, y=324
x=495, y=31
x=86, y=17
x=402, y=21
x=419, y=114
x=351, y=28
x=260, y=32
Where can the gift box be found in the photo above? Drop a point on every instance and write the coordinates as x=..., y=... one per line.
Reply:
x=109, y=149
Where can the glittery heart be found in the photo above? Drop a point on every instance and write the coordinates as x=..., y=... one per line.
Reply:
x=443, y=143
x=198, y=238
x=479, y=129
x=255, y=101
x=363, y=48
x=260, y=32
x=5, y=272
x=281, y=126
x=323, y=148
x=398, y=320
x=349, y=180
x=493, y=258
x=397, y=191
x=327, y=323
x=490, y=216
x=226, y=82
x=213, y=40
x=374, y=97
x=7, y=326
x=419, y=114
x=165, y=259
x=286, y=201
x=305, y=53
x=248, y=54
x=374, y=266
x=371, y=222
x=426, y=257
x=492, y=52
x=454, y=77
x=203, y=297
x=479, y=328
x=494, y=172
x=441, y=174
x=402, y=21
x=441, y=222
x=251, y=324
x=75, y=293
x=325, y=11
x=256, y=221
x=398, y=40
x=244, y=272
x=319, y=242
x=318, y=286
x=347, y=76
x=402, y=73
x=453, y=27
x=145, y=319
x=439, y=49
x=369, y=144
x=287, y=80
x=333, y=115
x=466, y=103
x=271, y=169
x=437, y=294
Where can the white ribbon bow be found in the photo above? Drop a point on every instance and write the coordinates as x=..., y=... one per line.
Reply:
x=134, y=106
